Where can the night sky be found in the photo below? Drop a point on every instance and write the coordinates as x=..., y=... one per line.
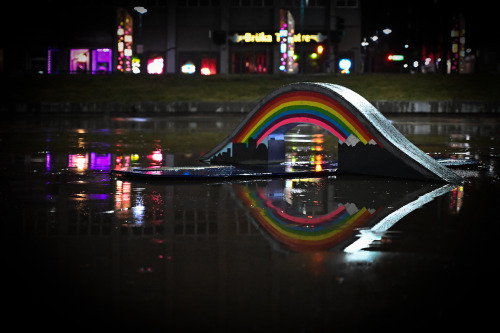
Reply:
x=427, y=21
x=422, y=21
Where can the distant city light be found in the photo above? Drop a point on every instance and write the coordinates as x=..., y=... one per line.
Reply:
x=188, y=68
x=208, y=66
x=155, y=66
x=345, y=65
x=387, y=31
x=395, y=57
x=374, y=38
x=136, y=65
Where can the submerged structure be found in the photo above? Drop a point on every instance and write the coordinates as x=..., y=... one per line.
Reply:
x=368, y=143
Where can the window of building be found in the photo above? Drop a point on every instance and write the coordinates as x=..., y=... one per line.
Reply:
x=250, y=63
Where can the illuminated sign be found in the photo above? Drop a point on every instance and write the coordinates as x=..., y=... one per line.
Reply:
x=262, y=37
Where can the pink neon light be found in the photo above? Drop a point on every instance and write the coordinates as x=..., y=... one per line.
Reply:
x=301, y=120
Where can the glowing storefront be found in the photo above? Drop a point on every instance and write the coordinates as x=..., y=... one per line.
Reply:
x=215, y=37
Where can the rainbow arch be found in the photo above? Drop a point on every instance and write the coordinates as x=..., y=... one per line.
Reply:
x=303, y=107
x=368, y=143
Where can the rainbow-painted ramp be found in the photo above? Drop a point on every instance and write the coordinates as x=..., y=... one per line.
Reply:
x=368, y=143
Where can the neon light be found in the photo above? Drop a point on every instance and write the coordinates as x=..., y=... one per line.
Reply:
x=262, y=37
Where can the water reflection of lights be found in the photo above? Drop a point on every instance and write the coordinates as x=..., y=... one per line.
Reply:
x=138, y=210
x=47, y=161
x=156, y=156
x=318, y=163
x=100, y=161
x=82, y=162
x=456, y=198
x=122, y=162
x=306, y=147
x=79, y=161
x=122, y=195
x=131, y=205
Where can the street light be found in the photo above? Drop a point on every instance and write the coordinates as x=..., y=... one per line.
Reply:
x=141, y=10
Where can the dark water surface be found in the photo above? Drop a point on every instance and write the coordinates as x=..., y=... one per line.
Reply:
x=84, y=250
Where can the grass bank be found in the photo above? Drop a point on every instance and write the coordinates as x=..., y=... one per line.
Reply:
x=170, y=88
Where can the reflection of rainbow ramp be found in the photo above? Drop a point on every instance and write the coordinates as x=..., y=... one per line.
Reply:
x=344, y=213
x=304, y=234
x=368, y=143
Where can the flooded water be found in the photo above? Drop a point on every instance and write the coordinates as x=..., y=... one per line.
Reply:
x=86, y=250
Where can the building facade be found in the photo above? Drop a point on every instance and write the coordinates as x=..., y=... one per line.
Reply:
x=202, y=37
